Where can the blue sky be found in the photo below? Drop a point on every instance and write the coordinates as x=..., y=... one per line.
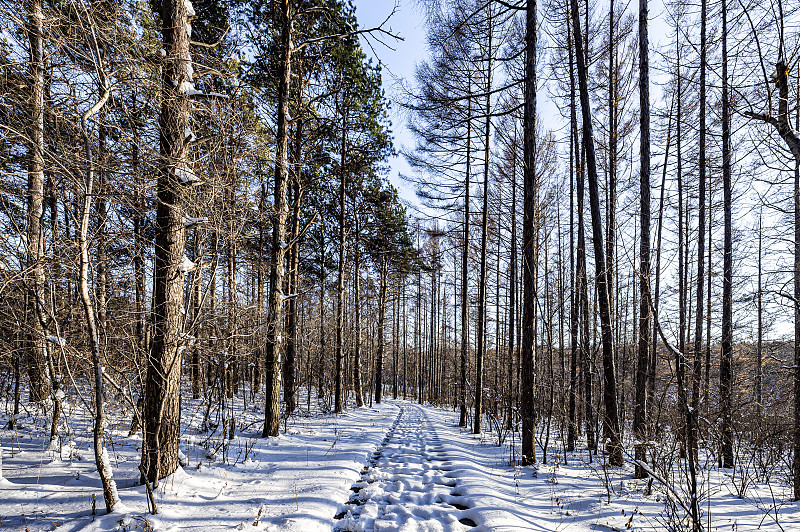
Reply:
x=399, y=61
x=398, y=64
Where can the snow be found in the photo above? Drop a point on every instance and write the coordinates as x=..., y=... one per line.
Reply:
x=186, y=265
x=293, y=482
x=215, y=95
x=56, y=340
x=398, y=466
x=189, y=8
x=189, y=221
x=186, y=174
x=187, y=88
x=110, y=474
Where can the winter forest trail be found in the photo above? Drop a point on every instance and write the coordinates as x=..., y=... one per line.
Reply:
x=409, y=483
x=396, y=466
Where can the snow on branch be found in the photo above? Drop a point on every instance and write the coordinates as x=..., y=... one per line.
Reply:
x=186, y=174
x=61, y=342
x=189, y=221
x=186, y=265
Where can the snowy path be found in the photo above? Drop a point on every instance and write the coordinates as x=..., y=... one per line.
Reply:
x=290, y=483
x=404, y=468
x=408, y=484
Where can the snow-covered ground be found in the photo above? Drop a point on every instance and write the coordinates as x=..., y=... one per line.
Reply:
x=396, y=466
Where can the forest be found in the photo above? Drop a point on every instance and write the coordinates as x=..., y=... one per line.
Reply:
x=222, y=305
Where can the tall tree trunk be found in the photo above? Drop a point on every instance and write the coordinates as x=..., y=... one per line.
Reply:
x=760, y=336
x=322, y=343
x=726, y=356
x=289, y=365
x=481, y=340
x=230, y=366
x=340, y=270
x=701, y=227
x=275, y=302
x=259, y=353
x=572, y=427
x=796, y=429
x=101, y=458
x=642, y=362
x=512, y=287
x=101, y=270
x=462, y=420
x=194, y=305
x=610, y=415
x=381, y=331
x=681, y=359
x=584, y=317
x=562, y=291
x=430, y=359
x=138, y=235
x=405, y=336
x=357, y=303
x=36, y=362
x=396, y=338
x=611, y=177
x=162, y=386
x=528, y=354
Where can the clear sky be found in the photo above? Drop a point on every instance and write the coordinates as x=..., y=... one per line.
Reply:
x=399, y=62
x=399, y=59
x=398, y=65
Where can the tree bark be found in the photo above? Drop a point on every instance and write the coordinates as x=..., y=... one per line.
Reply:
x=796, y=428
x=230, y=364
x=584, y=316
x=194, y=305
x=572, y=427
x=701, y=226
x=528, y=355
x=101, y=458
x=481, y=340
x=512, y=287
x=462, y=420
x=642, y=362
x=611, y=177
x=381, y=331
x=357, y=303
x=289, y=365
x=36, y=359
x=726, y=356
x=610, y=415
x=138, y=236
x=101, y=252
x=340, y=270
x=760, y=331
x=162, y=386
x=275, y=301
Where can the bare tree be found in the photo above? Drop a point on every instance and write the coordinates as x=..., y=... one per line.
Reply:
x=642, y=364
x=610, y=414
